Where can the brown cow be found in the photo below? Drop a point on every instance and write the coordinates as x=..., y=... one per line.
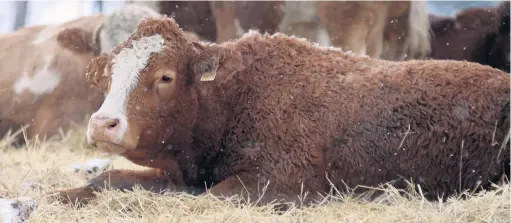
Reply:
x=499, y=42
x=276, y=108
x=476, y=34
x=42, y=73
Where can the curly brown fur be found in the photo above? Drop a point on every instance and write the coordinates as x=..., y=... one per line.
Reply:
x=285, y=111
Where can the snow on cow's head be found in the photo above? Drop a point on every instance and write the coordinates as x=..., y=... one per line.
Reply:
x=149, y=81
x=113, y=30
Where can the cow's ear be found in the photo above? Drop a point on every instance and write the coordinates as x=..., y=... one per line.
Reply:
x=214, y=62
x=97, y=72
x=75, y=39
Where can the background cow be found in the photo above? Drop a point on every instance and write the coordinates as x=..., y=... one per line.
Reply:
x=391, y=30
x=275, y=108
x=42, y=68
x=476, y=34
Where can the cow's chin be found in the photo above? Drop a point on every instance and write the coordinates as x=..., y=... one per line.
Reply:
x=111, y=148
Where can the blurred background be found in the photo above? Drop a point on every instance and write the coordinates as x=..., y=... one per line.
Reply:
x=17, y=14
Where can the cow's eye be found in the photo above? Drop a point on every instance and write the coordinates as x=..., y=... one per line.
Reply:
x=166, y=79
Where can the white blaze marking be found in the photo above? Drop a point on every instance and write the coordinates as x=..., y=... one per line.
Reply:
x=125, y=73
x=44, y=80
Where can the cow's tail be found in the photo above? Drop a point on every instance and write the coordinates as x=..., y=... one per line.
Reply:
x=419, y=34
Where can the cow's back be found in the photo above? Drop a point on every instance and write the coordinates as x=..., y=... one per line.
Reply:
x=314, y=111
x=416, y=120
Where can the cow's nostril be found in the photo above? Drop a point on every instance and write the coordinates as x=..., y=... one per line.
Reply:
x=113, y=123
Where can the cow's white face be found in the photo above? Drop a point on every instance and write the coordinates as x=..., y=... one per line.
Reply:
x=111, y=120
x=149, y=82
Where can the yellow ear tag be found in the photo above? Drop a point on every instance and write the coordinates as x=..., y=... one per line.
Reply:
x=210, y=75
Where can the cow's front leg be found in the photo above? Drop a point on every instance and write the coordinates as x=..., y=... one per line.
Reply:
x=154, y=180
x=251, y=189
x=224, y=13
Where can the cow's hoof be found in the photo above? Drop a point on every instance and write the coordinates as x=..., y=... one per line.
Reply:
x=93, y=166
x=17, y=209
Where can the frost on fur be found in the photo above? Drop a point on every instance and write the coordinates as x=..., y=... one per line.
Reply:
x=16, y=210
x=119, y=25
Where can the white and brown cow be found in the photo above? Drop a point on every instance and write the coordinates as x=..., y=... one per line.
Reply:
x=42, y=79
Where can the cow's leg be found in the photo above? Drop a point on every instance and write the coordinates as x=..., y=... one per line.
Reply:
x=225, y=15
x=396, y=31
x=347, y=24
x=375, y=36
x=154, y=180
x=300, y=20
x=243, y=186
x=394, y=39
x=251, y=190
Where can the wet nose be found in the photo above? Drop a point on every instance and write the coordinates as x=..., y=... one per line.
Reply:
x=104, y=128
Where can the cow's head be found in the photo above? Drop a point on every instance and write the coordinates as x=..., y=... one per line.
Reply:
x=117, y=27
x=151, y=83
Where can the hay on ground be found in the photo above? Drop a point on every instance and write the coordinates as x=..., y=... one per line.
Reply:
x=45, y=165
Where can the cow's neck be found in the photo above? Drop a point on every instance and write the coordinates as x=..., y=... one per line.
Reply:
x=197, y=145
x=204, y=142
x=218, y=103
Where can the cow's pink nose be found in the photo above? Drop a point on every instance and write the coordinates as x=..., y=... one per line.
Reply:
x=107, y=124
x=103, y=128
